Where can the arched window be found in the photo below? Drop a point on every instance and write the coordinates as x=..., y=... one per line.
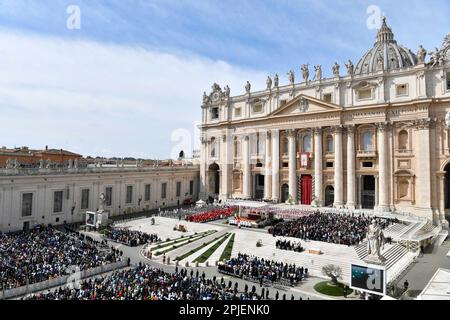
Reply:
x=403, y=140
x=330, y=144
x=307, y=143
x=368, y=141
x=213, y=147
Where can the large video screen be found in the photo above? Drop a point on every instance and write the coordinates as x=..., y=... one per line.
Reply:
x=368, y=279
x=90, y=219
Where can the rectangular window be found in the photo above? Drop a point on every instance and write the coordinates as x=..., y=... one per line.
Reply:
x=215, y=113
x=327, y=97
x=330, y=164
x=84, y=199
x=27, y=204
x=108, y=196
x=401, y=90
x=178, y=189
x=163, y=190
x=367, y=164
x=237, y=112
x=148, y=188
x=258, y=108
x=129, y=194
x=364, y=94
x=58, y=201
x=191, y=187
x=285, y=164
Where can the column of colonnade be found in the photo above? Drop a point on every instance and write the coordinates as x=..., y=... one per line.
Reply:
x=338, y=169
x=292, y=144
x=351, y=168
x=246, y=192
x=275, y=165
x=268, y=168
x=318, y=167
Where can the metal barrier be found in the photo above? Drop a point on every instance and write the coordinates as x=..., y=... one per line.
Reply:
x=40, y=286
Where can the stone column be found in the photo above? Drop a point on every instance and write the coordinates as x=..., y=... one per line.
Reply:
x=268, y=169
x=203, y=170
x=423, y=164
x=247, y=169
x=383, y=186
x=338, y=169
x=292, y=164
x=318, y=167
x=226, y=157
x=351, y=171
x=276, y=165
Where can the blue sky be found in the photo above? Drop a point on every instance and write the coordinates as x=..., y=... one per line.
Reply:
x=130, y=81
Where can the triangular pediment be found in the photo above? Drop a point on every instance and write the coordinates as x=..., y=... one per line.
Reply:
x=303, y=104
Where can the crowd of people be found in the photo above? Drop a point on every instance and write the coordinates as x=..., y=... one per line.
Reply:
x=44, y=253
x=147, y=283
x=289, y=245
x=213, y=215
x=129, y=237
x=328, y=227
x=263, y=270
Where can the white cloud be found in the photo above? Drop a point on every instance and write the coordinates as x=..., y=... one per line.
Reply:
x=103, y=99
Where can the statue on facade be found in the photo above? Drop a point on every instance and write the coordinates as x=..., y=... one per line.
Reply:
x=350, y=68
x=70, y=163
x=291, y=77
x=435, y=58
x=215, y=87
x=305, y=72
x=227, y=92
x=447, y=120
x=41, y=164
x=9, y=164
x=49, y=164
x=375, y=243
x=102, y=202
x=421, y=54
x=205, y=99
x=248, y=87
x=336, y=70
x=318, y=72
x=276, y=81
x=269, y=83
x=16, y=164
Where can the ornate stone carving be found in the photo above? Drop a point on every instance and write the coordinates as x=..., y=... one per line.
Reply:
x=269, y=83
x=375, y=244
x=350, y=68
x=318, y=131
x=291, y=133
x=421, y=54
x=291, y=77
x=248, y=87
x=304, y=105
x=422, y=124
x=318, y=72
x=276, y=81
x=382, y=127
x=305, y=73
x=447, y=120
x=224, y=138
x=336, y=70
x=350, y=129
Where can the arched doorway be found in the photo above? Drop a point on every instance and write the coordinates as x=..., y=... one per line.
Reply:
x=214, y=179
x=447, y=187
x=329, y=196
x=284, y=193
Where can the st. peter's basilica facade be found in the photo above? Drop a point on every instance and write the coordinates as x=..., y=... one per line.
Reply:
x=376, y=137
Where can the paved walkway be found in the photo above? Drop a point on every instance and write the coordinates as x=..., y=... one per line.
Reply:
x=421, y=272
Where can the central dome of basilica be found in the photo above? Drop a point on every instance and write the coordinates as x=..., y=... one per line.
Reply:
x=386, y=55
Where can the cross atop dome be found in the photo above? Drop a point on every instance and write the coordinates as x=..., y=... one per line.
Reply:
x=385, y=33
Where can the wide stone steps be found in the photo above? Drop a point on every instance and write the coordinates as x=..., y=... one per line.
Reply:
x=394, y=254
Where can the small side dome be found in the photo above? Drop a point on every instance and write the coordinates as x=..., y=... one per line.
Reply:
x=386, y=55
